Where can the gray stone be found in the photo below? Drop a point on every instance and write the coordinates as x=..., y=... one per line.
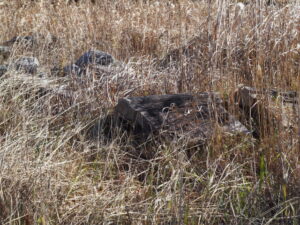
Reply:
x=195, y=118
x=268, y=110
x=94, y=57
x=3, y=69
x=27, y=64
x=71, y=69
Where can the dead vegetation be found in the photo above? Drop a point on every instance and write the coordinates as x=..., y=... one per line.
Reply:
x=53, y=172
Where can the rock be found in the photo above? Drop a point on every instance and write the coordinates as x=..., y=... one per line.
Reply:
x=193, y=117
x=94, y=57
x=71, y=69
x=27, y=64
x=78, y=1
x=3, y=69
x=268, y=110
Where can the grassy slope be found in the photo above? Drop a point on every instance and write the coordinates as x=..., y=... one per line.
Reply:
x=51, y=172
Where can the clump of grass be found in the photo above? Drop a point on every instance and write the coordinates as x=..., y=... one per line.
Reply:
x=53, y=172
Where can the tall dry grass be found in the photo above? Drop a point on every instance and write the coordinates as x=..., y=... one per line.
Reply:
x=53, y=172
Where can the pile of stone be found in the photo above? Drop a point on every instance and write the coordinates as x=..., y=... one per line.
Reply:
x=92, y=60
x=192, y=117
x=28, y=65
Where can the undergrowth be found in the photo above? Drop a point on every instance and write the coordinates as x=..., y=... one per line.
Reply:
x=54, y=171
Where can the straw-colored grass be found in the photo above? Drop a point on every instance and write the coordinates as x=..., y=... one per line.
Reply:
x=53, y=172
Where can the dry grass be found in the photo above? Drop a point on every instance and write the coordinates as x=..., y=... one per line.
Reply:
x=53, y=172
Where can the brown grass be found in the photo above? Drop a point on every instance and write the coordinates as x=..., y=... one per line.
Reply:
x=53, y=172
